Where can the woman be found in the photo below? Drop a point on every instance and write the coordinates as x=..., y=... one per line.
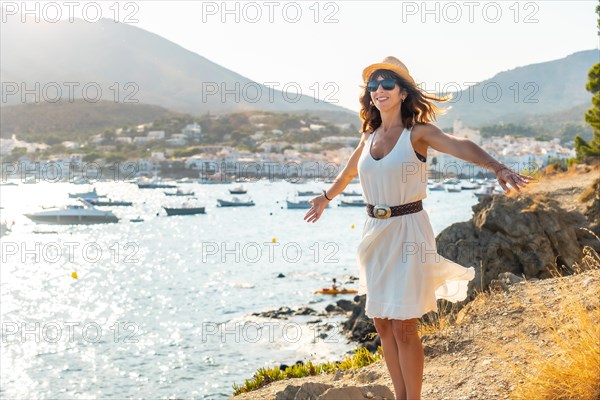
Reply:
x=399, y=268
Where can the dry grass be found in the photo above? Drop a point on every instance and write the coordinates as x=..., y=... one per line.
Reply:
x=572, y=371
x=589, y=193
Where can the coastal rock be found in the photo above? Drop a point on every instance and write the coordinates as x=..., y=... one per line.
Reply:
x=360, y=327
x=373, y=392
x=593, y=210
x=525, y=236
x=345, y=305
x=288, y=393
x=505, y=279
x=285, y=312
x=308, y=391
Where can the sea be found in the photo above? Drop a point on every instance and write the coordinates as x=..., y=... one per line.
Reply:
x=163, y=308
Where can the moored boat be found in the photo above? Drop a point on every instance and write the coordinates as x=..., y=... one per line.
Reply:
x=185, y=210
x=238, y=190
x=436, y=187
x=307, y=193
x=235, y=202
x=353, y=203
x=180, y=192
x=109, y=202
x=86, y=195
x=452, y=188
x=299, y=204
x=352, y=193
x=74, y=214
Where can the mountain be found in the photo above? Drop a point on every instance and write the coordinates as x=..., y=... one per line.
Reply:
x=149, y=69
x=43, y=122
x=104, y=53
x=532, y=90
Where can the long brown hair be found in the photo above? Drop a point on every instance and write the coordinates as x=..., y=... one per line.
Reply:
x=417, y=107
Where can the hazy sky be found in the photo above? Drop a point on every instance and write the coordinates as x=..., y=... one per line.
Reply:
x=313, y=43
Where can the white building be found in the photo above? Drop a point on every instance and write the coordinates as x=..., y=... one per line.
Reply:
x=147, y=167
x=177, y=140
x=7, y=145
x=157, y=155
x=273, y=146
x=156, y=135
x=70, y=145
x=464, y=132
x=141, y=140
x=124, y=139
x=192, y=131
x=346, y=140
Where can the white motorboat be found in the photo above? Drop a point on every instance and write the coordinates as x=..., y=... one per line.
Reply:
x=238, y=190
x=180, y=192
x=353, y=203
x=299, y=204
x=86, y=195
x=308, y=193
x=451, y=181
x=4, y=229
x=235, y=202
x=484, y=191
x=436, y=187
x=83, y=213
x=471, y=185
x=452, y=188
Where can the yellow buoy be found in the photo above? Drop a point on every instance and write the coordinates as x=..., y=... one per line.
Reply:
x=352, y=226
x=74, y=275
x=273, y=240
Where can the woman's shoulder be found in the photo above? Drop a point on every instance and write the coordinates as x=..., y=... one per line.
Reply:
x=421, y=130
x=365, y=135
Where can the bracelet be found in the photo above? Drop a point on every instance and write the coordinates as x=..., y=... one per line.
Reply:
x=325, y=194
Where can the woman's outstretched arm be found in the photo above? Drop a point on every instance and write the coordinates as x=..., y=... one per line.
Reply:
x=466, y=150
x=349, y=172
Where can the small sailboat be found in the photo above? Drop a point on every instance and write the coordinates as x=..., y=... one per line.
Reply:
x=308, y=193
x=352, y=193
x=86, y=195
x=180, y=192
x=452, y=188
x=353, y=203
x=238, y=190
x=438, y=186
x=235, y=202
x=185, y=209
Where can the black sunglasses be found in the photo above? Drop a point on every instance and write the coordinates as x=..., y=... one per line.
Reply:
x=386, y=84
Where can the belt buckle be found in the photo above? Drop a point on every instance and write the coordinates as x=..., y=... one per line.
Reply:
x=381, y=211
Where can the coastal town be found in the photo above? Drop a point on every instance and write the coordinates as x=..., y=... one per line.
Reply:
x=274, y=155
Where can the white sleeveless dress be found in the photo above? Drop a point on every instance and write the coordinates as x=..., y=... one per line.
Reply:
x=400, y=270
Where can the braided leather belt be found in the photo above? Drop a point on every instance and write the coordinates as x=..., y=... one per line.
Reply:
x=381, y=211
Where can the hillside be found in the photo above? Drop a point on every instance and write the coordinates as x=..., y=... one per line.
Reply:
x=521, y=93
x=518, y=339
x=498, y=335
x=40, y=122
x=108, y=53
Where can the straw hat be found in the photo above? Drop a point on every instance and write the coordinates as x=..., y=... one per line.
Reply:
x=391, y=63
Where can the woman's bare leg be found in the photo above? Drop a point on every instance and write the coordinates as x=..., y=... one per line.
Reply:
x=411, y=356
x=390, y=354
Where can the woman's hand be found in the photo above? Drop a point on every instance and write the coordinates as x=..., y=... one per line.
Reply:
x=506, y=176
x=318, y=206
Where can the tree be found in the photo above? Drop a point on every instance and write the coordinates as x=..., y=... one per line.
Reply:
x=592, y=116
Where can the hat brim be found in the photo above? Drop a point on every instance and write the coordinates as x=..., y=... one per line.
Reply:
x=394, y=68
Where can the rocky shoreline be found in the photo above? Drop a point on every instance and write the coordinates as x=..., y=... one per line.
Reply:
x=510, y=240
